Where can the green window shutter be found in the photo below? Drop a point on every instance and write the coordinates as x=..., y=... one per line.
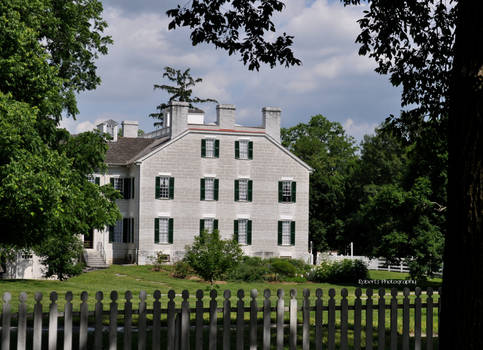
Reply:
x=111, y=181
x=280, y=191
x=131, y=239
x=250, y=150
x=170, y=231
x=237, y=149
x=250, y=190
x=249, y=232
x=171, y=188
x=111, y=234
x=217, y=148
x=132, y=187
x=202, y=226
x=97, y=180
x=292, y=233
x=280, y=223
x=235, y=230
x=215, y=224
x=202, y=189
x=294, y=191
x=203, y=148
x=157, y=187
x=126, y=188
x=125, y=229
x=156, y=230
x=216, y=189
x=237, y=190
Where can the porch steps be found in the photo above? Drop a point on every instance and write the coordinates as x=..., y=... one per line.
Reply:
x=94, y=259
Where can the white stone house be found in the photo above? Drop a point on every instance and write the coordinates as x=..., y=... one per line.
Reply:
x=188, y=176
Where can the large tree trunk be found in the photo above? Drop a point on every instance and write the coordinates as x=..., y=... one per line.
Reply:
x=462, y=299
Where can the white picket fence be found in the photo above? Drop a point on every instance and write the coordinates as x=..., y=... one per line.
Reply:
x=307, y=323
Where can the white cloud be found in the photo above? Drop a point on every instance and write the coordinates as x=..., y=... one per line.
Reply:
x=358, y=129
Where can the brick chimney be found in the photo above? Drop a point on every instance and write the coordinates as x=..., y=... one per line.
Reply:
x=271, y=121
x=130, y=128
x=225, y=116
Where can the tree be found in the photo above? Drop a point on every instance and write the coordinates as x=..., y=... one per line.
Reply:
x=211, y=257
x=181, y=92
x=47, y=55
x=434, y=50
x=331, y=153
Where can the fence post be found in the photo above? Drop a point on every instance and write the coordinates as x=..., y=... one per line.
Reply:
x=439, y=308
x=128, y=321
x=37, y=341
x=68, y=321
x=318, y=319
x=357, y=319
x=429, y=318
x=240, y=320
x=98, y=321
x=171, y=320
x=142, y=320
x=53, y=321
x=306, y=320
x=369, y=322
x=417, y=319
x=381, y=320
x=266, y=319
x=6, y=321
x=199, y=320
x=343, y=320
x=156, y=320
x=331, y=320
x=213, y=320
x=185, y=321
x=280, y=318
x=253, y=319
x=22, y=322
x=293, y=320
x=84, y=314
x=113, y=321
x=226, y=319
x=394, y=319
x=405, y=335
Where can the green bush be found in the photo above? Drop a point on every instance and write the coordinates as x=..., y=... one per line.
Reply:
x=182, y=269
x=282, y=267
x=345, y=271
x=250, y=269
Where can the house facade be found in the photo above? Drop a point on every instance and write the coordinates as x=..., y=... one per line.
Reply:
x=189, y=176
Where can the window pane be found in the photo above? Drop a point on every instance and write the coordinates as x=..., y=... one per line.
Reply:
x=118, y=229
x=164, y=187
x=286, y=233
x=118, y=184
x=163, y=230
x=243, y=149
x=210, y=148
x=243, y=190
x=209, y=188
x=209, y=225
x=242, y=231
x=287, y=191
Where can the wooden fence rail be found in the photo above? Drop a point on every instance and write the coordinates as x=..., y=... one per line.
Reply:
x=247, y=324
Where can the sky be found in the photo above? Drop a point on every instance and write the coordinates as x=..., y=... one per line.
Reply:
x=333, y=79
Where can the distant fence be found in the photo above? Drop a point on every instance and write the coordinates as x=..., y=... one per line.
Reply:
x=310, y=323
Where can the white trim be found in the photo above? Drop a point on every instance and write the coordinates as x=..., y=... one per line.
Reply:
x=286, y=178
x=209, y=216
x=243, y=177
x=243, y=139
x=209, y=175
x=286, y=218
x=164, y=174
x=243, y=216
x=163, y=215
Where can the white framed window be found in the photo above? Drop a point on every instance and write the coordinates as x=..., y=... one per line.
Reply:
x=242, y=231
x=91, y=178
x=115, y=232
x=243, y=149
x=286, y=233
x=209, y=188
x=287, y=190
x=208, y=225
x=118, y=184
x=163, y=230
x=243, y=189
x=163, y=187
x=210, y=148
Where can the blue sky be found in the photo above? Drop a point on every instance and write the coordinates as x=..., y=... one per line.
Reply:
x=333, y=80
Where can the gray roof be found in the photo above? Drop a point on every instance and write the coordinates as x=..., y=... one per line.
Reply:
x=127, y=149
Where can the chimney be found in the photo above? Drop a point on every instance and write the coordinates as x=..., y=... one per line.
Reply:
x=130, y=128
x=225, y=116
x=178, y=115
x=109, y=127
x=271, y=121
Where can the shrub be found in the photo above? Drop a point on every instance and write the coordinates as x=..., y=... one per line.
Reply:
x=345, y=271
x=158, y=260
x=181, y=269
x=250, y=269
x=282, y=267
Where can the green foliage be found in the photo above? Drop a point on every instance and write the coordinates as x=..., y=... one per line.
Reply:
x=345, y=271
x=283, y=267
x=211, y=257
x=159, y=260
x=182, y=269
x=250, y=269
x=182, y=91
x=325, y=146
